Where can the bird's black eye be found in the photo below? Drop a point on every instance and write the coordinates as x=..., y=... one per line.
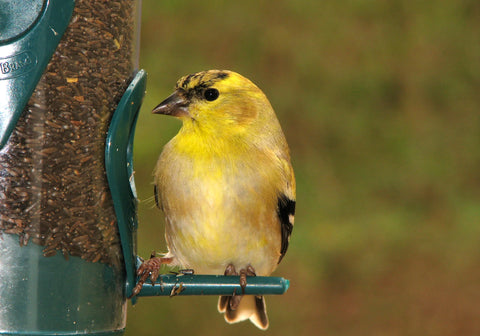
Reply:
x=211, y=94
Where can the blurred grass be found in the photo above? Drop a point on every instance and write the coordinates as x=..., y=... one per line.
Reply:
x=380, y=103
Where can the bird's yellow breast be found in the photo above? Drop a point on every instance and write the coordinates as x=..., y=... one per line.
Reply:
x=219, y=205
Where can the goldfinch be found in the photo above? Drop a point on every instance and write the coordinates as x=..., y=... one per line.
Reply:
x=226, y=186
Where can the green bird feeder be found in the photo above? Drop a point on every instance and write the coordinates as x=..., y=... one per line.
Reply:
x=70, y=92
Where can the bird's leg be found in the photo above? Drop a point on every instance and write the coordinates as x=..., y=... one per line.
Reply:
x=149, y=269
x=234, y=300
x=249, y=271
x=244, y=272
x=243, y=280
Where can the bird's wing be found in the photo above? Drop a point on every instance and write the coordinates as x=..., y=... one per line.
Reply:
x=286, y=213
x=286, y=204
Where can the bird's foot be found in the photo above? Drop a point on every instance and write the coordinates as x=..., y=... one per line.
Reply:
x=149, y=269
x=244, y=272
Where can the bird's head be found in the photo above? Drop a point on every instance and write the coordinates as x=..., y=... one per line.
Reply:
x=217, y=99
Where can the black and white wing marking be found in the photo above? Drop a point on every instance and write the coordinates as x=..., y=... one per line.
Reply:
x=286, y=214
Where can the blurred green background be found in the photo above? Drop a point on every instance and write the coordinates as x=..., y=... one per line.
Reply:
x=380, y=103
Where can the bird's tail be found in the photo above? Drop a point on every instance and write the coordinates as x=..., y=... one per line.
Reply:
x=239, y=308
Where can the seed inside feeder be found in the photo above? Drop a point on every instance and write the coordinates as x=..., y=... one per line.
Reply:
x=53, y=187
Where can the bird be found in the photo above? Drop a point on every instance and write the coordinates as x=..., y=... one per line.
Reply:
x=226, y=186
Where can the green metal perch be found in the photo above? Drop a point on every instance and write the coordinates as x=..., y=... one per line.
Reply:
x=172, y=285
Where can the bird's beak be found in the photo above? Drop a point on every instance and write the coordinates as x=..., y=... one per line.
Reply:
x=175, y=105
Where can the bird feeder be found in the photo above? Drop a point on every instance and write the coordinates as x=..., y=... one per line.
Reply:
x=70, y=92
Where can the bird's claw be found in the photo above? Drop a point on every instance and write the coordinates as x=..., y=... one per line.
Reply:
x=244, y=272
x=149, y=269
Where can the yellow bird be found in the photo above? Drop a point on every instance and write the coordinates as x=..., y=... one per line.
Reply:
x=226, y=186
